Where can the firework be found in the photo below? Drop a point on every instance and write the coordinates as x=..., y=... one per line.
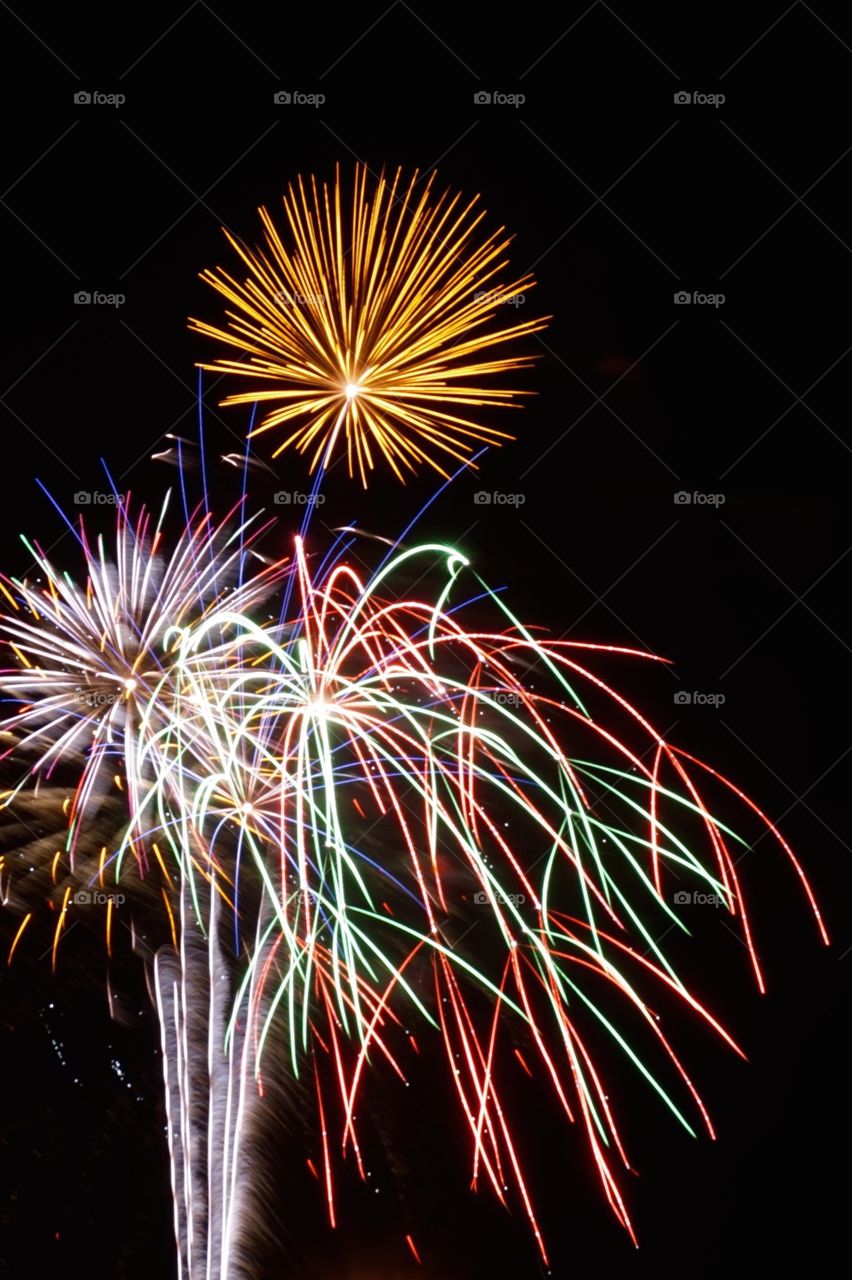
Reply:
x=384, y=777
x=368, y=327
x=383, y=808
x=90, y=654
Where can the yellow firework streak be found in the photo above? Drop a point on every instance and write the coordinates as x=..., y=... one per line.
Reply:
x=368, y=330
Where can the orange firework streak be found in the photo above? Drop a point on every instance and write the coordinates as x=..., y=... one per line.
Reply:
x=369, y=329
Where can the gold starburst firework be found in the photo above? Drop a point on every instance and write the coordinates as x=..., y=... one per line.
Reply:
x=373, y=329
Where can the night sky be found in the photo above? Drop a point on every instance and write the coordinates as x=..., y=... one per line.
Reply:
x=620, y=198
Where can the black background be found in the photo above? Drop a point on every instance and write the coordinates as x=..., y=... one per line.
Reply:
x=619, y=198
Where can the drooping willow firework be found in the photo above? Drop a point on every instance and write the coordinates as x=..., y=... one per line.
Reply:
x=369, y=328
x=412, y=809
